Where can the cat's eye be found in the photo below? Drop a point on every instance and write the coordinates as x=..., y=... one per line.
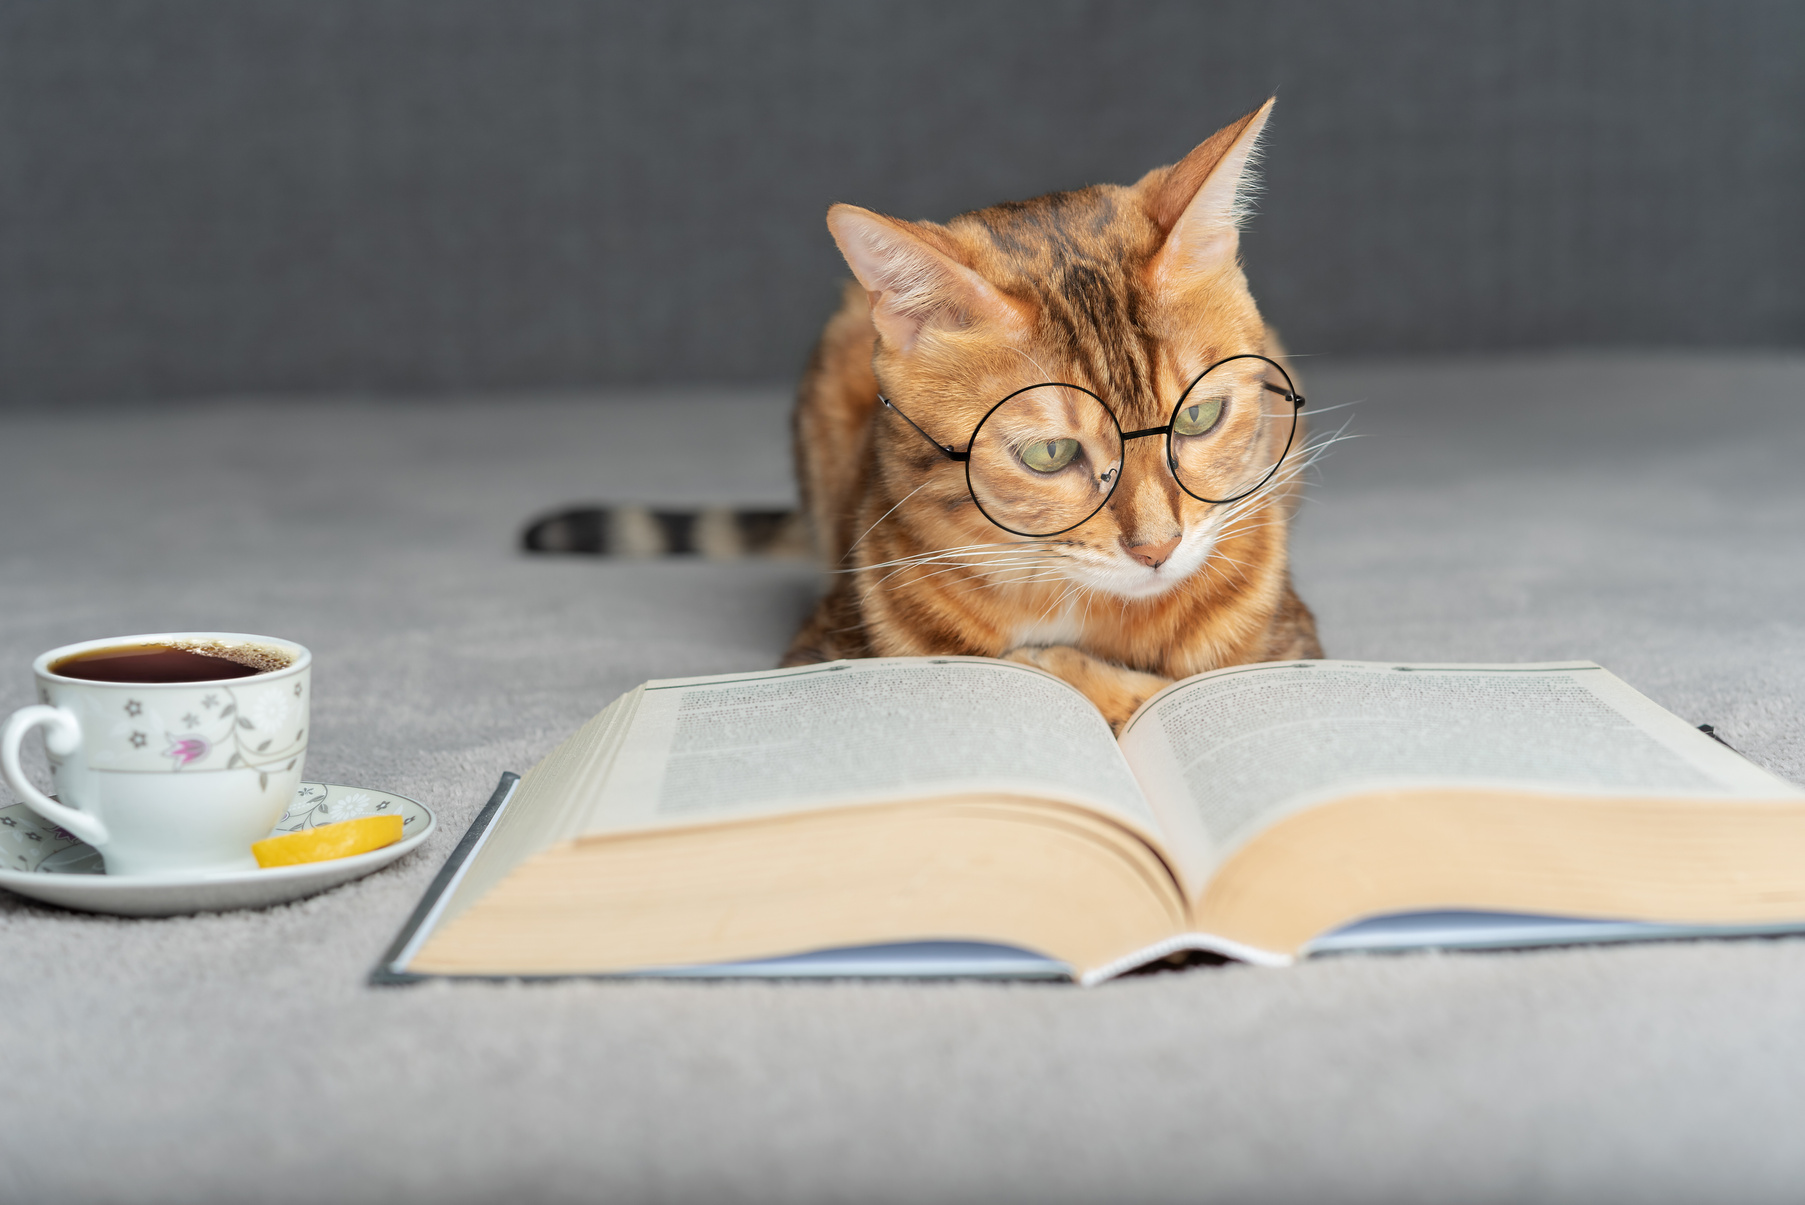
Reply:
x=1049, y=455
x=1197, y=418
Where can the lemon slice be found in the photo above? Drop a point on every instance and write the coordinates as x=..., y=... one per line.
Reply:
x=328, y=841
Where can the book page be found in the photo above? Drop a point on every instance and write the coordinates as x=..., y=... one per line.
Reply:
x=1225, y=754
x=549, y=804
x=868, y=731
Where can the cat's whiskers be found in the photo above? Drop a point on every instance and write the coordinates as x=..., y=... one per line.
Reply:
x=973, y=549
x=1245, y=529
x=1059, y=604
x=882, y=517
x=956, y=566
x=1026, y=581
x=1228, y=521
x=982, y=549
x=1223, y=556
x=1001, y=570
x=1245, y=523
x=1033, y=578
x=975, y=555
x=978, y=580
x=1030, y=572
x=1289, y=470
x=983, y=560
x=1249, y=514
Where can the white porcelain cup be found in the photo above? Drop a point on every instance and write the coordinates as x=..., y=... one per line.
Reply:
x=168, y=777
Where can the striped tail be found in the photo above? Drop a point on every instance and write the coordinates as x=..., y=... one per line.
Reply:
x=717, y=533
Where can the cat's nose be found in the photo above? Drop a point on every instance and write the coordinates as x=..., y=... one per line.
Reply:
x=1152, y=555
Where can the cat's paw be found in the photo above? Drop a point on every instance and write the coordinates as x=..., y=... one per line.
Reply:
x=1114, y=690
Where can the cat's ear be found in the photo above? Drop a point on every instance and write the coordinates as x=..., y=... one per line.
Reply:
x=913, y=285
x=1201, y=199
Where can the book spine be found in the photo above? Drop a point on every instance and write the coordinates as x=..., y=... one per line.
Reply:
x=391, y=969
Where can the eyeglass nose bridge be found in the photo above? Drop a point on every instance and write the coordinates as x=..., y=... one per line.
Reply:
x=1109, y=475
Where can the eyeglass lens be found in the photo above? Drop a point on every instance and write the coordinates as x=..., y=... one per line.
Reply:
x=1044, y=460
x=1230, y=430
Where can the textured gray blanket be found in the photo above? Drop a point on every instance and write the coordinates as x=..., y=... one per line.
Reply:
x=1645, y=512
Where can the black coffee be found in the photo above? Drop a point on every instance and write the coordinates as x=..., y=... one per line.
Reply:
x=168, y=663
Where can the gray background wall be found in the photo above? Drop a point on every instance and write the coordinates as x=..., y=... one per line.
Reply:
x=413, y=196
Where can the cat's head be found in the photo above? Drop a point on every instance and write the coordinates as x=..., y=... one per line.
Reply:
x=1130, y=292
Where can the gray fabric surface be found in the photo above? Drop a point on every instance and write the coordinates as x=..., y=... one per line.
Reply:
x=214, y=196
x=1644, y=512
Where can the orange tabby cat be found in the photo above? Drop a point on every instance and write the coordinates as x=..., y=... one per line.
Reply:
x=1129, y=293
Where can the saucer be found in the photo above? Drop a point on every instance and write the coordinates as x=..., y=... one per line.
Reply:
x=45, y=862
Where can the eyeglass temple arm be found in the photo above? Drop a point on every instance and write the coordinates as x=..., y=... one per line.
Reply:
x=1296, y=399
x=945, y=450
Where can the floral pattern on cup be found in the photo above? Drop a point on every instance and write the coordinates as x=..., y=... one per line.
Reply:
x=186, y=750
x=27, y=841
x=250, y=724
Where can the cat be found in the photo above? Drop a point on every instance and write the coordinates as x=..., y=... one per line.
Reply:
x=1129, y=292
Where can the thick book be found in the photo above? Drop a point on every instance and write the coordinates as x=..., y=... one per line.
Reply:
x=966, y=816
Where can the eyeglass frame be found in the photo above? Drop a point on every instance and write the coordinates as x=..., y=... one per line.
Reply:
x=1288, y=392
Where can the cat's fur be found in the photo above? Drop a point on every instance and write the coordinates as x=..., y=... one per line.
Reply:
x=1128, y=291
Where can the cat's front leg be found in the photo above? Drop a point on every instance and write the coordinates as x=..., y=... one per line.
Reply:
x=1114, y=689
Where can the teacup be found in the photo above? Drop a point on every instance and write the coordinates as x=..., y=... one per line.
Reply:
x=168, y=777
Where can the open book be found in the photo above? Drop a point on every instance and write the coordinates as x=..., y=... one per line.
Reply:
x=949, y=815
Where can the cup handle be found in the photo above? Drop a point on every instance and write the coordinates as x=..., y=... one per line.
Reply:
x=62, y=736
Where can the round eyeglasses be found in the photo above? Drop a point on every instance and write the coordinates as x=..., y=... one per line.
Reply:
x=1047, y=458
